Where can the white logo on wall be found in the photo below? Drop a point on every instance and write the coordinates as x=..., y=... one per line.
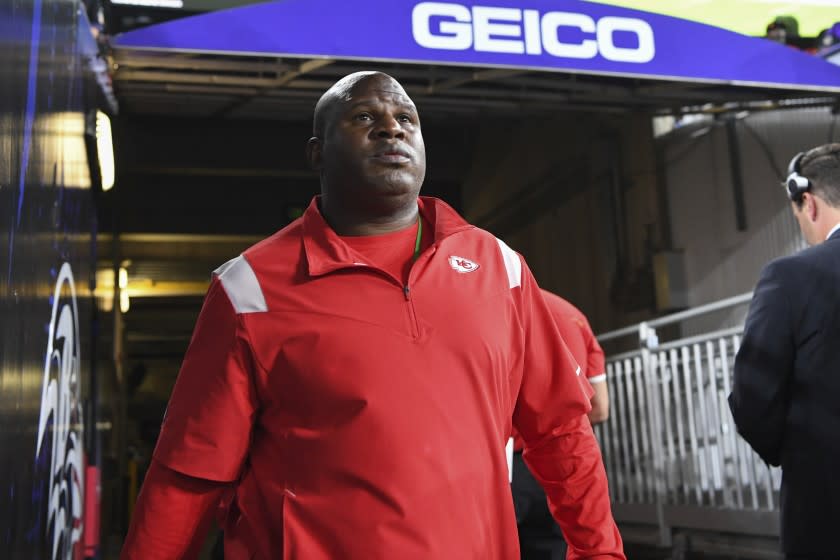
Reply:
x=61, y=402
x=494, y=29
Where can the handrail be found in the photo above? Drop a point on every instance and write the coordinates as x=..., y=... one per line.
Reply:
x=677, y=317
x=701, y=310
x=700, y=338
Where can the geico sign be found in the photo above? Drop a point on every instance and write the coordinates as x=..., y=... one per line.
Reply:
x=441, y=25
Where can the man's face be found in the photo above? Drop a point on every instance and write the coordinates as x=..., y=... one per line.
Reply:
x=372, y=144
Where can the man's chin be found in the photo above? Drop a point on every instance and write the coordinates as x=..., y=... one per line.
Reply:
x=396, y=186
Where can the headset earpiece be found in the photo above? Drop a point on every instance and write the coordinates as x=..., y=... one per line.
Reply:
x=795, y=183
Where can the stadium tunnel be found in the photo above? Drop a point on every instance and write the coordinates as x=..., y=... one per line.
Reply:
x=563, y=165
x=558, y=157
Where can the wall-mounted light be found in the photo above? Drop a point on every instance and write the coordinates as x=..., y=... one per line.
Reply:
x=105, y=150
x=105, y=289
x=125, y=303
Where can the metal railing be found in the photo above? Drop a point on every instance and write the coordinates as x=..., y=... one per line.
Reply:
x=673, y=457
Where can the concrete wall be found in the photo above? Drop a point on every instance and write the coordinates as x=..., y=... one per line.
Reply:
x=557, y=191
x=589, y=199
x=720, y=260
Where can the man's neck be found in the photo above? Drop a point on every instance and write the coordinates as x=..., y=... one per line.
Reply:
x=345, y=220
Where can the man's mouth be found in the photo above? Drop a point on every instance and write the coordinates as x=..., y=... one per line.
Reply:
x=392, y=155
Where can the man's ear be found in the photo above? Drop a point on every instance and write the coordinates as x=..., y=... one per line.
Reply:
x=811, y=206
x=313, y=153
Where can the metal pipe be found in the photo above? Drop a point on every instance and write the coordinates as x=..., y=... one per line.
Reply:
x=680, y=316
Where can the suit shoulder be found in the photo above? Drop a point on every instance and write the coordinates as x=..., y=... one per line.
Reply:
x=810, y=256
x=780, y=264
x=781, y=268
x=800, y=266
x=829, y=249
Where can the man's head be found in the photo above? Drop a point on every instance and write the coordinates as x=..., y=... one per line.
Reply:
x=813, y=186
x=367, y=145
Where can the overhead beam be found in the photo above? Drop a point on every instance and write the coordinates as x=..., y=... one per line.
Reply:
x=142, y=288
x=282, y=80
x=124, y=60
x=122, y=76
x=220, y=172
x=469, y=78
x=174, y=247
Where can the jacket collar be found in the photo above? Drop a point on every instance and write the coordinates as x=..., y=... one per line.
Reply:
x=834, y=233
x=326, y=252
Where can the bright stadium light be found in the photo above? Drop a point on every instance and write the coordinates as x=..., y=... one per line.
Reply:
x=125, y=303
x=105, y=150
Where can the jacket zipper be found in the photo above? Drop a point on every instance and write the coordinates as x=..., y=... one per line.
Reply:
x=412, y=314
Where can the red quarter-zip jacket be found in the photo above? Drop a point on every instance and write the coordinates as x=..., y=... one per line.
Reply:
x=360, y=418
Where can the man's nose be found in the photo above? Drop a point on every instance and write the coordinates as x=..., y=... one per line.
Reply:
x=390, y=127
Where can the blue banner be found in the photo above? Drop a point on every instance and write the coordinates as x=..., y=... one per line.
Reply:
x=566, y=36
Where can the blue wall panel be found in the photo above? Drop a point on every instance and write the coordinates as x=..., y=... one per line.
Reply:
x=46, y=267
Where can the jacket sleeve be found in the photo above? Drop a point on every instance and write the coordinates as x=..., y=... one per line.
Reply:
x=206, y=432
x=764, y=366
x=560, y=447
x=172, y=516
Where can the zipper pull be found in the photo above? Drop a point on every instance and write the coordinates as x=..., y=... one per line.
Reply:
x=406, y=291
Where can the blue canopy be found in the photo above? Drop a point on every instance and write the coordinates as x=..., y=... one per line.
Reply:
x=568, y=36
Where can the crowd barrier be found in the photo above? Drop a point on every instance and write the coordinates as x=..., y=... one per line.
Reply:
x=675, y=462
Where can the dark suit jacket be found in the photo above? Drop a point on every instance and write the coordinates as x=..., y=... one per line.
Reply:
x=786, y=392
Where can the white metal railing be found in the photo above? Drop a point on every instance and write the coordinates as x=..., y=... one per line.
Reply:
x=671, y=451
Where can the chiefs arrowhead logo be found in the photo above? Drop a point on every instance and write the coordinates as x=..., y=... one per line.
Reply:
x=462, y=265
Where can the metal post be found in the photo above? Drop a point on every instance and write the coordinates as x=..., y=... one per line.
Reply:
x=649, y=341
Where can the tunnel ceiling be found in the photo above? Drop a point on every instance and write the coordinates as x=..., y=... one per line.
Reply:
x=235, y=86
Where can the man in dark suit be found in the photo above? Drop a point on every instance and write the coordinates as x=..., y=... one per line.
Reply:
x=786, y=393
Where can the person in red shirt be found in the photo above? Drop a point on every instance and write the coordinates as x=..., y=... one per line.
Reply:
x=537, y=529
x=578, y=336
x=352, y=379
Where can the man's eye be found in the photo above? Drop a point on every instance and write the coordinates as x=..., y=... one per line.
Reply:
x=364, y=117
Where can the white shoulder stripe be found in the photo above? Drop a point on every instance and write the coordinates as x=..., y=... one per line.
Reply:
x=241, y=285
x=512, y=264
x=598, y=378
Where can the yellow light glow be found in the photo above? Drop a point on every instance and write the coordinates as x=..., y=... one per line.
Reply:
x=104, y=281
x=63, y=151
x=106, y=303
x=125, y=303
x=105, y=289
x=105, y=150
